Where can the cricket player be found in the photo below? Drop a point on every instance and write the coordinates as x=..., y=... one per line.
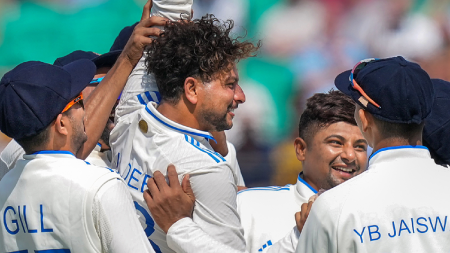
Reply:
x=142, y=89
x=398, y=204
x=99, y=121
x=435, y=131
x=198, y=92
x=13, y=151
x=51, y=201
x=331, y=149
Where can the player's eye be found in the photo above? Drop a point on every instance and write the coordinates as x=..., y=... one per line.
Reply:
x=335, y=142
x=361, y=147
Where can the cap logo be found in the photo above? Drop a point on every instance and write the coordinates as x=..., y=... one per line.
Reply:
x=363, y=101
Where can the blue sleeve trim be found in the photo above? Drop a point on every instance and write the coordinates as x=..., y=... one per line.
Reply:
x=141, y=100
x=397, y=147
x=268, y=188
x=201, y=149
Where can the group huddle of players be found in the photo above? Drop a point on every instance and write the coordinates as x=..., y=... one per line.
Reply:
x=102, y=142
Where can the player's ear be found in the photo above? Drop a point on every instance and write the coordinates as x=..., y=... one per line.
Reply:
x=366, y=120
x=61, y=124
x=300, y=148
x=191, y=89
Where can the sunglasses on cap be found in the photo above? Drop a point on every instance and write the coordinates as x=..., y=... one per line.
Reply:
x=78, y=99
x=96, y=80
x=360, y=65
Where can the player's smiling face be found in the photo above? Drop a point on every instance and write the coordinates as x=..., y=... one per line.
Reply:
x=333, y=155
x=221, y=97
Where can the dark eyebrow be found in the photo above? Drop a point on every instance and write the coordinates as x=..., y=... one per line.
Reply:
x=232, y=79
x=362, y=140
x=335, y=136
x=343, y=139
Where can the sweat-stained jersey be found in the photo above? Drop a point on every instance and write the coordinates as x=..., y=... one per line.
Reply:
x=145, y=141
x=267, y=214
x=53, y=202
x=400, y=204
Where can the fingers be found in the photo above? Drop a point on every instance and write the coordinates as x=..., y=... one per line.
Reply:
x=173, y=177
x=304, y=208
x=298, y=218
x=152, y=188
x=241, y=188
x=186, y=185
x=146, y=10
x=152, y=21
x=148, y=198
x=160, y=182
x=308, y=209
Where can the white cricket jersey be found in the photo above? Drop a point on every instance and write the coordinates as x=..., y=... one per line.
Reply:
x=9, y=156
x=54, y=202
x=268, y=213
x=99, y=158
x=400, y=204
x=13, y=152
x=146, y=141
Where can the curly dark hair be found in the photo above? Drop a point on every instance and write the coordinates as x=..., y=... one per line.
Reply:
x=201, y=48
x=324, y=109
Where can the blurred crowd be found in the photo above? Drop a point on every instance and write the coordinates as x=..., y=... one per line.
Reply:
x=306, y=43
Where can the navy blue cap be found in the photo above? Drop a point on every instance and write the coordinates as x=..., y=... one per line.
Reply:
x=34, y=93
x=104, y=60
x=436, y=133
x=402, y=89
x=123, y=37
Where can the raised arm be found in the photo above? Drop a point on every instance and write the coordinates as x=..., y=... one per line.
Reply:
x=100, y=102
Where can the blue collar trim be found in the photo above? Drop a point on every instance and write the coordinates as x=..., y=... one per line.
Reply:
x=305, y=183
x=206, y=136
x=46, y=152
x=98, y=144
x=397, y=147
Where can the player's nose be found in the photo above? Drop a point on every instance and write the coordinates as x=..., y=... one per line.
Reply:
x=239, y=95
x=348, y=154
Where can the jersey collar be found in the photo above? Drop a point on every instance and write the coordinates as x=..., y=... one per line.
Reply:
x=53, y=153
x=303, y=190
x=392, y=153
x=151, y=110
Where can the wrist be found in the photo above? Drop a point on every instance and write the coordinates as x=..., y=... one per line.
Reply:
x=177, y=225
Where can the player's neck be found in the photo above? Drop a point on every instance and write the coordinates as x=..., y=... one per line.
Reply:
x=179, y=113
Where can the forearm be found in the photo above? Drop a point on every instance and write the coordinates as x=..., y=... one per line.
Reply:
x=185, y=236
x=215, y=210
x=99, y=104
x=288, y=244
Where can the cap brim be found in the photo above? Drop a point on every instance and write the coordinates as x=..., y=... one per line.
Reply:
x=107, y=59
x=81, y=71
x=342, y=82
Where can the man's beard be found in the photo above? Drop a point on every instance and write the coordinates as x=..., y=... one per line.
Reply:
x=79, y=137
x=218, y=122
